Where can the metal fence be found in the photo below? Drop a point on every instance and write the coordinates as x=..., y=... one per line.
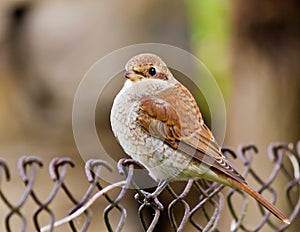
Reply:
x=210, y=200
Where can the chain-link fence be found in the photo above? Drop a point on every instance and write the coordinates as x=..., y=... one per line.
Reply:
x=198, y=206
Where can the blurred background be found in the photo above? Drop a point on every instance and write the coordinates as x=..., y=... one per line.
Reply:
x=252, y=49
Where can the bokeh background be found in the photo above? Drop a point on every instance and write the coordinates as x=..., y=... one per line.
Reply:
x=252, y=49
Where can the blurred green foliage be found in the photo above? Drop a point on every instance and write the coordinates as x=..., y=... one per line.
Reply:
x=210, y=37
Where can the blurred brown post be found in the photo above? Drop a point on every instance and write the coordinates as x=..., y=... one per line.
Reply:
x=265, y=97
x=266, y=67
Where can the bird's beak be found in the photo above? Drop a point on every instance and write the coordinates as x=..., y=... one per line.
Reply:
x=132, y=75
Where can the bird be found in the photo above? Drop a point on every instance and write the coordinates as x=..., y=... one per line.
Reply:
x=158, y=123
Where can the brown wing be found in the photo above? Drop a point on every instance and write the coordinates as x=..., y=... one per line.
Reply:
x=173, y=116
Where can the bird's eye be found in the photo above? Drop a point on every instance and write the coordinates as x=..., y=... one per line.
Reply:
x=152, y=71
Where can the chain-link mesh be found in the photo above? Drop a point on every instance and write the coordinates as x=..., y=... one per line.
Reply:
x=202, y=214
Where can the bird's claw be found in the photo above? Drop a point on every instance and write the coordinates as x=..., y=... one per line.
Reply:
x=149, y=199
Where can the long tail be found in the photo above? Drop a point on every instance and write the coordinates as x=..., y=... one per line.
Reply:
x=260, y=199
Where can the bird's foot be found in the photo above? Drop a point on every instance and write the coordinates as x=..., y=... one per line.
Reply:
x=149, y=199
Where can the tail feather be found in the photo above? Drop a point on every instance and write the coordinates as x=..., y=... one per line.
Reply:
x=260, y=199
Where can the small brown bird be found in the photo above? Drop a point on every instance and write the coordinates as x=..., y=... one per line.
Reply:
x=158, y=123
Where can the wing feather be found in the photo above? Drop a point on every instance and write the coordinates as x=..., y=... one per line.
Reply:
x=180, y=125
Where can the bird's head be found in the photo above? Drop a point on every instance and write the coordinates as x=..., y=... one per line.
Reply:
x=147, y=66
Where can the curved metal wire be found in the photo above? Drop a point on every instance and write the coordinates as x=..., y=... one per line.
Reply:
x=181, y=208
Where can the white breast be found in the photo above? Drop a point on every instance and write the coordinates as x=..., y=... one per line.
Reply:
x=124, y=112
